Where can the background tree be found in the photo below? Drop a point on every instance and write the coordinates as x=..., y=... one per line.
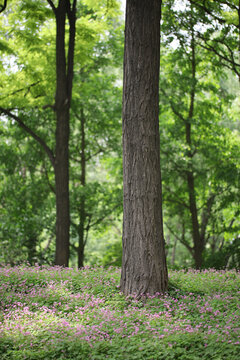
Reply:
x=193, y=148
x=61, y=107
x=31, y=106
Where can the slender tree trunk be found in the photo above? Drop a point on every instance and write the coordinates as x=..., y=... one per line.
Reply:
x=198, y=244
x=62, y=190
x=143, y=263
x=82, y=211
x=174, y=252
x=64, y=73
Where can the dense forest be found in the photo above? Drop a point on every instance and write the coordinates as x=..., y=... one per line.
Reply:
x=61, y=131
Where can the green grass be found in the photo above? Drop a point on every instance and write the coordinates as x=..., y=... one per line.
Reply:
x=55, y=313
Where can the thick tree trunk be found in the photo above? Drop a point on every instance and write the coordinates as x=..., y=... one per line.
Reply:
x=144, y=263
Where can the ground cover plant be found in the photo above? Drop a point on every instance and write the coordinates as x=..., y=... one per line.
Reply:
x=57, y=313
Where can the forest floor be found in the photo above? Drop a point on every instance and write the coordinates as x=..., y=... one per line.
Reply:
x=54, y=313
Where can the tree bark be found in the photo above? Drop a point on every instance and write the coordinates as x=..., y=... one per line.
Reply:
x=144, y=267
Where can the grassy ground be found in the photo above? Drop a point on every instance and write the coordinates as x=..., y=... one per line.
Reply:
x=54, y=313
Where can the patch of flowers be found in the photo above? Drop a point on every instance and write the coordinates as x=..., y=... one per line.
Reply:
x=57, y=313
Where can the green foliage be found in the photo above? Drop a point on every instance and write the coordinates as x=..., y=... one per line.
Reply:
x=25, y=202
x=226, y=257
x=113, y=256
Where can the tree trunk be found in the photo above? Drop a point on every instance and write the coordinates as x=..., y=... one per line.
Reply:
x=198, y=244
x=82, y=211
x=174, y=252
x=143, y=263
x=64, y=74
x=62, y=190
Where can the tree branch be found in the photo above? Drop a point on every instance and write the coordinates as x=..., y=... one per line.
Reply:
x=45, y=172
x=222, y=57
x=52, y=6
x=182, y=241
x=230, y=4
x=202, y=6
x=175, y=199
x=99, y=151
x=98, y=221
x=45, y=147
x=177, y=113
x=206, y=10
x=22, y=89
x=3, y=7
